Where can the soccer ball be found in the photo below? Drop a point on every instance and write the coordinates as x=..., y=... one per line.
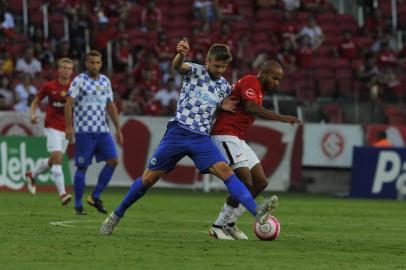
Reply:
x=269, y=230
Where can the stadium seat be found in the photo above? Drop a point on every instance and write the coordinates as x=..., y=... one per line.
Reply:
x=56, y=26
x=323, y=72
x=340, y=63
x=343, y=73
x=333, y=112
x=326, y=86
x=395, y=115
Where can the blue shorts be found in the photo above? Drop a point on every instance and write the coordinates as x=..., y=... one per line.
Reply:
x=179, y=142
x=100, y=145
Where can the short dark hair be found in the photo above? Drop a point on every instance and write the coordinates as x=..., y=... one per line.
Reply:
x=93, y=53
x=220, y=52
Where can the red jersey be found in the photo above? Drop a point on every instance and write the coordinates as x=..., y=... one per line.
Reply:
x=236, y=124
x=56, y=93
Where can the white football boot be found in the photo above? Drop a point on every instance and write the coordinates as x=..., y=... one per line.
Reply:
x=109, y=223
x=235, y=232
x=218, y=232
x=265, y=208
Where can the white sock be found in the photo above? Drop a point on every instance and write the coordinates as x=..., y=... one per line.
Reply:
x=59, y=179
x=42, y=167
x=224, y=215
x=237, y=213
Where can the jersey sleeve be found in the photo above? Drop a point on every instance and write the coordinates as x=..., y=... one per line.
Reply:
x=43, y=92
x=109, y=93
x=194, y=69
x=74, y=87
x=249, y=89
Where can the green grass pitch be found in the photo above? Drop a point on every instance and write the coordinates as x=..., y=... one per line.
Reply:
x=167, y=229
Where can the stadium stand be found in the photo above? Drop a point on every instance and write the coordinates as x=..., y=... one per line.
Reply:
x=350, y=64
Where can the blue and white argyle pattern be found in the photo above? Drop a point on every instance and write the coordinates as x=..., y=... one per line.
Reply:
x=91, y=97
x=200, y=97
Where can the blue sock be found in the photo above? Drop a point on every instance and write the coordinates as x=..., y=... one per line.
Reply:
x=137, y=190
x=79, y=187
x=238, y=191
x=104, y=178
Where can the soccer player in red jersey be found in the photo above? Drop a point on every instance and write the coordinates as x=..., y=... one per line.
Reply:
x=228, y=134
x=56, y=91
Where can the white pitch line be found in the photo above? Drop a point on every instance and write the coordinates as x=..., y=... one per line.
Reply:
x=67, y=223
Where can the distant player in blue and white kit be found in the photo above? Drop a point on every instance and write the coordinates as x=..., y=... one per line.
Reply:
x=203, y=92
x=89, y=95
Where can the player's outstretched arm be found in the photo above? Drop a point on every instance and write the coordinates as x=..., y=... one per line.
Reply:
x=178, y=63
x=112, y=110
x=257, y=110
x=33, y=110
x=68, y=118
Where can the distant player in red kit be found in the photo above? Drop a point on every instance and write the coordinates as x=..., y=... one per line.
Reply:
x=228, y=134
x=56, y=91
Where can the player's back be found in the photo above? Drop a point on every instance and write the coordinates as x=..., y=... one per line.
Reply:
x=247, y=88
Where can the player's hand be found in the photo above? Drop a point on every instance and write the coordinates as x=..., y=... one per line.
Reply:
x=182, y=47
x=119, y=137
x=69, y=134
x=229, y=104
x=34, y=119
x=291, y=120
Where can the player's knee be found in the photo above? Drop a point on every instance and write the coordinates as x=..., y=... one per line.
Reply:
x=112, y=162
x=55, y=158
x=149, y=178
x=222, y=170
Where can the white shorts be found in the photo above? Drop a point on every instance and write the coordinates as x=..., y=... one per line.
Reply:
x=56, y=140
x=236, y=151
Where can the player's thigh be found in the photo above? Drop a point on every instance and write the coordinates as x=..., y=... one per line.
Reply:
x=169, y=151
x=85, y=146
x=252, y=158
x=232, y=149
x=56, y=140
x=105, y=147
x=204, y=152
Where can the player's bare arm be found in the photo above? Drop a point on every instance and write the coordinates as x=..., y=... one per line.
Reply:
x=33, y=110
x=257, y=110
x=178, y=63
x=112, y=110
x=229, y=104
x=68, y=119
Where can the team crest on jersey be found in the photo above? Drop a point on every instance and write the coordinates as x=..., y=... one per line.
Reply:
x=98, y=87
x=153, y=161
x=250, y=93
x=63, y=93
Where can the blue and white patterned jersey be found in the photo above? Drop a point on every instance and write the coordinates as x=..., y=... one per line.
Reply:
x=200, y=97
x=91, y=97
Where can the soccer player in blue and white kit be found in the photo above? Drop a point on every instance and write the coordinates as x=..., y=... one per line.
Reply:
x=203, y=92
x=89, y=95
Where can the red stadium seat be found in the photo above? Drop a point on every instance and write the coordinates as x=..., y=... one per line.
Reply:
x=327, y=86
x=343, y=73
x=333, y=112
x=395, y=115
x=322, y=72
